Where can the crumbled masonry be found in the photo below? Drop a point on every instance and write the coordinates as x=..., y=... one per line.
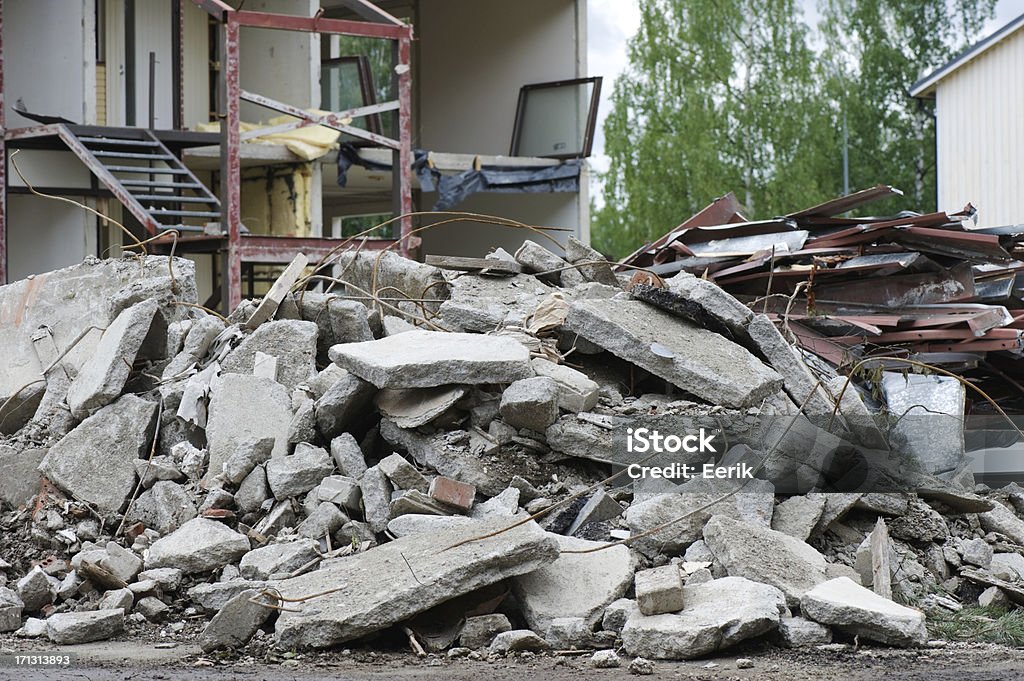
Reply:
x=323, y=470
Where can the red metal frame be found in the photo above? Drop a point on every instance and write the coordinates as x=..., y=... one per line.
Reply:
x=266, y=249
x=231, y=140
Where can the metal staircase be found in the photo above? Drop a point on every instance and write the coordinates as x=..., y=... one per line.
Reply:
x=150, y=181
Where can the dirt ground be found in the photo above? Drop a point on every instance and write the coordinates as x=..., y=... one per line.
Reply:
x=128, y=660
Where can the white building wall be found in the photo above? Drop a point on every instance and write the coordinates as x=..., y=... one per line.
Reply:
x=282, y=65
x=980, y=135
x=472, y=58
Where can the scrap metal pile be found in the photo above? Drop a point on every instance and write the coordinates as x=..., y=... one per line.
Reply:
x=432, y=455
x=933, y=287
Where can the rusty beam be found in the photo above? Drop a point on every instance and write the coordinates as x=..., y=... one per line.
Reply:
x=281, y=249
x=404, y=159
x=332, y=121
x=215, y=8
x=371, y=12
x=287, y=22
x=231, y=171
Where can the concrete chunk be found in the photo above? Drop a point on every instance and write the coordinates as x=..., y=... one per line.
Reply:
x=766, y=556
x=236, y=623
x=344, y=402
x=425, y=359
x=535, y=258
x=415, y=408
x=291, y=341
x=575, y=585
x=698, y=361
x=340, y=490
x=530, y=403
x=576, y=392
x=122, y=431
x=21, y=479
x=659, y=590
x=69, y=628
x=717, y=615
x=376, y=498
x=165, y=507
x=265, y=561
x=290, y=476
x=797, y=516
x=104, y=374
x=402, y=474
x=246, y=409
x=591, y=264
x=347, y=455
x=400, y=579
x=799, y=382
x=11, y=606
x=200, y=545
x=842, y=604
x=479, y=631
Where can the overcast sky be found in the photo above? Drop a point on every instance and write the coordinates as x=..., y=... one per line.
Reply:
x=613, y=22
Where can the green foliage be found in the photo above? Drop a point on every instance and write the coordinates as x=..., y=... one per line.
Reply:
x=980, y=625
x=742, y=95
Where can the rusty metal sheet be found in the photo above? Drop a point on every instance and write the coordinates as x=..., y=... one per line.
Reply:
x=848, y=202
x=955, y=284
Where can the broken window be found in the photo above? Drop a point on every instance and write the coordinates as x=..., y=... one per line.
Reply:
x=347, y=83
x=557, y=119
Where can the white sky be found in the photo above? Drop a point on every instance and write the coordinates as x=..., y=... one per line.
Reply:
x=611, y=23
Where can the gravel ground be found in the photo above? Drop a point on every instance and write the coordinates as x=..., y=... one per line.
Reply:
x=130, y=660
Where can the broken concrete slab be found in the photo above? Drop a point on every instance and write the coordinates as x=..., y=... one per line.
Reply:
x=574, y=585
x=797, y=632
x=590, y=263
x=754, y=505
x=253, y=491
x=200, y=545
x=418, y=523
x=325, y=520
x=265, y=561
x=800, y=384
x=290, y=476
x=764, y=555
x=847, y=606
x=165, y=507
x=369, y=272
x=212, y=597
x=699, y=301
x=484, y=303
x=717, y=615
x=381, y=589
x=291, y=341
x=11, y=606
x=426, y=359
x=103, y=376
x=340, y=490
x=21, y=479
x=70, y=628
x=1004, y=521
x=244, y=459
x=535, y=258
x=693, y=359
x=343, y=403
x=797, y=516
x=67, y=302
x=415, y=408
x=576, y=392
x=930, y=410
x=245, y=409
x=600, y=506
x=36, y=590
x=337, y=319
x=236, y=623
x=659, y=590
x=122, y=431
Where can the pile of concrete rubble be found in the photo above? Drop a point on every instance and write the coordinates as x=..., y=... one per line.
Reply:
x=362, y=464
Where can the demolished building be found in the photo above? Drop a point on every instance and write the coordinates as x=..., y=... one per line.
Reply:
x=438, y=452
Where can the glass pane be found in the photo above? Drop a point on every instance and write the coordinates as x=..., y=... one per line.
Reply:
x=341, y=90
x=554, y=120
